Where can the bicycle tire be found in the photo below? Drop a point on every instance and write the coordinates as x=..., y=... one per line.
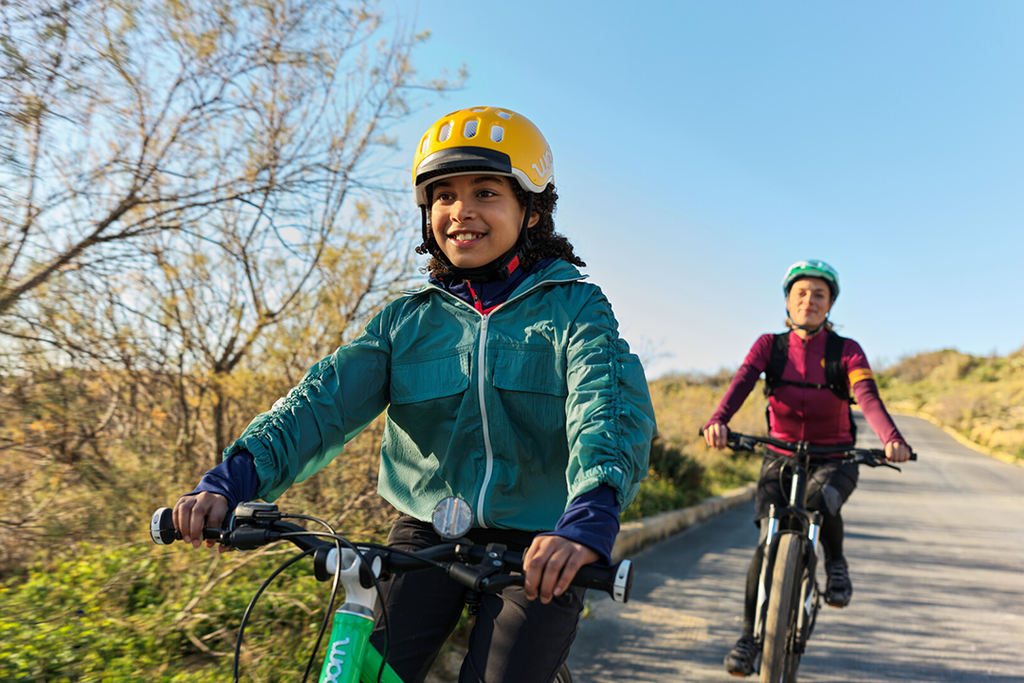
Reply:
x=781, y=617
x=789, y=670
x=563, y=675
x=806, y=615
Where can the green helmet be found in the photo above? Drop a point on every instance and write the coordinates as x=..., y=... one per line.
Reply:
x=819, y=269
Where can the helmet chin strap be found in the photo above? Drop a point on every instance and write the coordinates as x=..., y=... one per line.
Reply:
x=498, y=269
x=806, y=329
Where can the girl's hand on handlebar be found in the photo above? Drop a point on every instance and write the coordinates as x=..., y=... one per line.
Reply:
x=192, y=513
x=551, y=563
x=897, y=451
x=716, y=435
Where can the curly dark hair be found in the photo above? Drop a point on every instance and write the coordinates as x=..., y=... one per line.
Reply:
x=544, y=241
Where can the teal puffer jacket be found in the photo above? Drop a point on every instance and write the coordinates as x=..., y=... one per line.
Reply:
x=517, y=411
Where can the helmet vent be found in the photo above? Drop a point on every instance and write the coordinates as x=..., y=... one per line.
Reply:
x=425, y=144
x=505, y=115
x=497, y=133
x=446, y=132
x=470, y=130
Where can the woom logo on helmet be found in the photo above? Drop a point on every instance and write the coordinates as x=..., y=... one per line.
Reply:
x=544, y=163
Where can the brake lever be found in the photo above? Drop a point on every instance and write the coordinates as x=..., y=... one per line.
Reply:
x=742, y=444
x=496, y=583
x=480, y=577
x=881, y=462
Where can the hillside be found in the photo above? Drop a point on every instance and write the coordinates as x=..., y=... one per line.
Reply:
x=982, y=398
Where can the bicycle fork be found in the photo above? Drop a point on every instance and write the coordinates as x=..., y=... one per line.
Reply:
x=808, y=592
x=762, y=583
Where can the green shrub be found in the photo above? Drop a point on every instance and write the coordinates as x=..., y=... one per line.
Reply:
x=674, y=481
x=131, y=613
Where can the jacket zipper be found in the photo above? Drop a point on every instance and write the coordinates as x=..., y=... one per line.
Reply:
x=488, y=452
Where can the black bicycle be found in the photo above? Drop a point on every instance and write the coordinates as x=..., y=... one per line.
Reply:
x=788, y=597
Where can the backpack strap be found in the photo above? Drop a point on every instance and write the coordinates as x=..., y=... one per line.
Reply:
x=838, y=382
x=835, y=378
x=776, y=362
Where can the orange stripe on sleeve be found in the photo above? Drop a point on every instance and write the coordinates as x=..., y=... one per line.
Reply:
x=858, y=374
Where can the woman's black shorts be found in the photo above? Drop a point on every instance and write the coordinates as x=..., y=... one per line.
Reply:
x=828, y=487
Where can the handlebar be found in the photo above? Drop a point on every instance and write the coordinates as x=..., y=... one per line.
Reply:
x=486, y=569
x=872, y=457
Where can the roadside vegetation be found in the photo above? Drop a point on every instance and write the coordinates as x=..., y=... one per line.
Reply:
x=683, y=469
x=980, y=397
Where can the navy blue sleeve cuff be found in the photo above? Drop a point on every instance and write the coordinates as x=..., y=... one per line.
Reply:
x=234, y=478
x=592, y=519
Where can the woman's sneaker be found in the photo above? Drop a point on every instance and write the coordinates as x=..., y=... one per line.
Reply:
x=740, y=660
x=838, y=590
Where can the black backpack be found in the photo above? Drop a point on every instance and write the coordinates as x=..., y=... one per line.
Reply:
x=835, y=379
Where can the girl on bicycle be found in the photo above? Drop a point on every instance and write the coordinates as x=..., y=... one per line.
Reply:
x=505, y=383
x=809, y=375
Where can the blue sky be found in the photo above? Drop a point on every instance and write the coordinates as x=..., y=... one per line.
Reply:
x=702, y=147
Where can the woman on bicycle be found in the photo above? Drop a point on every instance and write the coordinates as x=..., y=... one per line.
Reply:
x=809, y=375
x=505, y=383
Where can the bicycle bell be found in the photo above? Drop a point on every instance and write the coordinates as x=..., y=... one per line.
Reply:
x=452, y=518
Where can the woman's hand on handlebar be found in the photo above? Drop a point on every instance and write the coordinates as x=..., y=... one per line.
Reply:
x=192, y=513
x=551, y=563
x=716, y=435
x=897, y=451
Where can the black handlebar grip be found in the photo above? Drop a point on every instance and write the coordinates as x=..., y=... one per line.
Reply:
x=161, y=528
x=467, y=576
x=616, y=580
x=249, y=538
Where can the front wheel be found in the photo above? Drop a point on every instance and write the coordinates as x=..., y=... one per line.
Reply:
x=778, y=665
x=563, y=675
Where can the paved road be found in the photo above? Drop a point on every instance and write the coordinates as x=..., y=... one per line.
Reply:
x=937, y=560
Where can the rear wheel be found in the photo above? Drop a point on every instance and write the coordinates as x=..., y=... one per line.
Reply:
x=777, y=664
x=563, y=675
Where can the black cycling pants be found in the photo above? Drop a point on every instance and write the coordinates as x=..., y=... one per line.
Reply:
x=514, y=640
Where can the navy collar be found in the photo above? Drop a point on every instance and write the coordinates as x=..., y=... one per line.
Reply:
x=483, y=296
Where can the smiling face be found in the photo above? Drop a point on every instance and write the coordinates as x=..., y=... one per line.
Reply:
x=476, y=218
x=808, y=302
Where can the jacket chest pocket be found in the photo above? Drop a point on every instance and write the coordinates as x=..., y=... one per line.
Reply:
x=539, y=371
x=425, y=380
x=530, y=393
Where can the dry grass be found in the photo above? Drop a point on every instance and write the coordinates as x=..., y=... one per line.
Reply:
x=683, y=404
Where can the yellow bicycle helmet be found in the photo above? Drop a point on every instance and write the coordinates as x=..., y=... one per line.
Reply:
x=482, y=140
